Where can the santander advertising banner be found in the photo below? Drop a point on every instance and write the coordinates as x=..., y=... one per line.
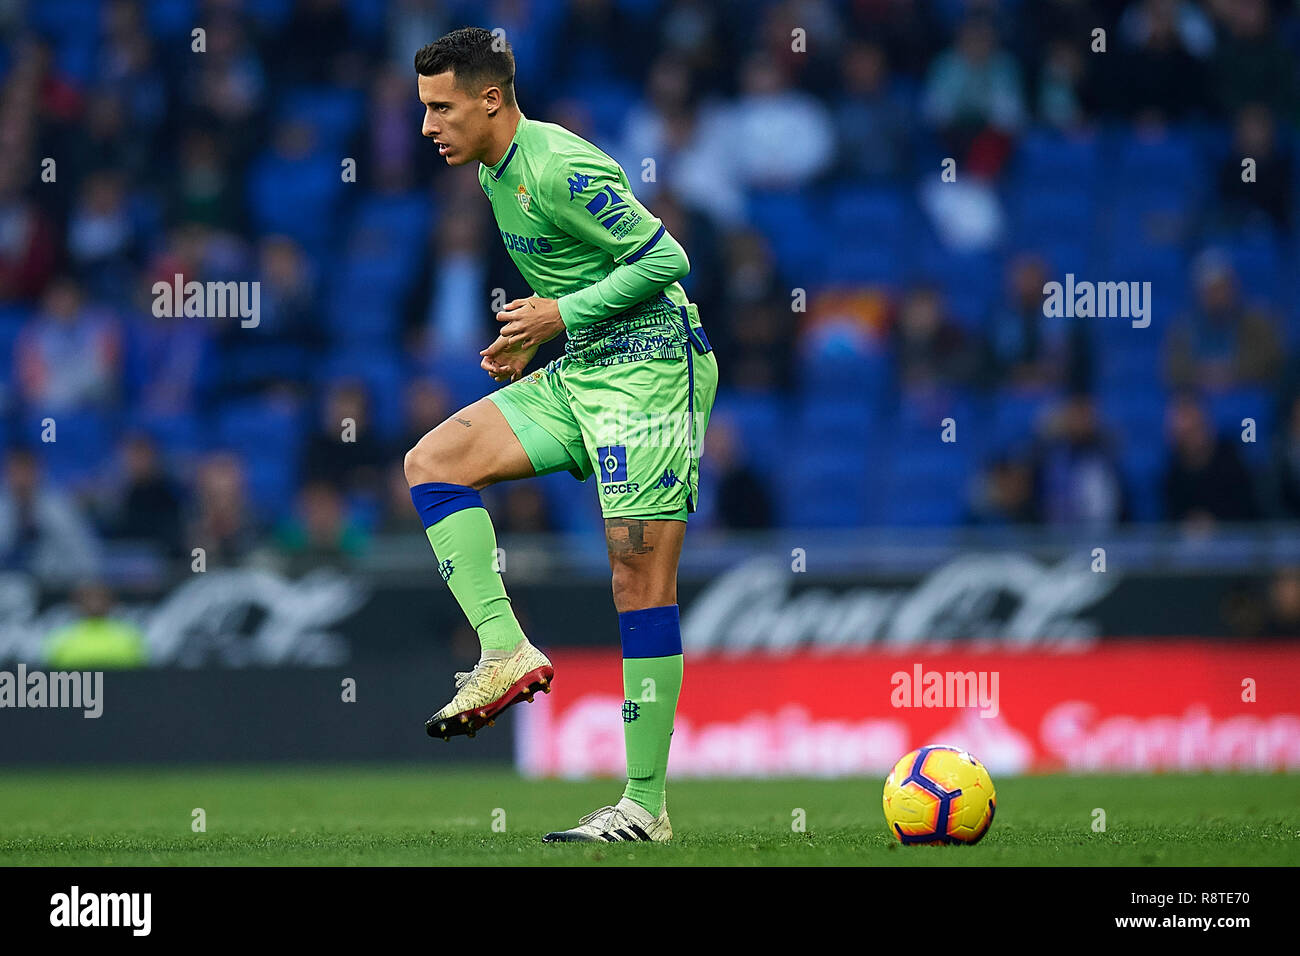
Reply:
x=1117, y=707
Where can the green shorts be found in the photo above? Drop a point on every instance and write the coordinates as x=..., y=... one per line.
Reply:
x=637, y=426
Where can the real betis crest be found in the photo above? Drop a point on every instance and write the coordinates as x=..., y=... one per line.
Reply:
x=524, y=198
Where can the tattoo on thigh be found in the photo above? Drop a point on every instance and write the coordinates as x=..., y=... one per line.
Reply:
x=463, y=421
x=625, y=536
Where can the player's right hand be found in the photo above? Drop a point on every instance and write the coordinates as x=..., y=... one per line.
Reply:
x=504, y=363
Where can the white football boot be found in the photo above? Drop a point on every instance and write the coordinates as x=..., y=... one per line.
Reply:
x=494, y=685
x=626, y=822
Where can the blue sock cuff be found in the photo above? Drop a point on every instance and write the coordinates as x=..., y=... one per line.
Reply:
x=434, y=500
x=650, y=632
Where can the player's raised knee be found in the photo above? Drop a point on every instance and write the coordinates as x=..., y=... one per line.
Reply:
x=428, y=461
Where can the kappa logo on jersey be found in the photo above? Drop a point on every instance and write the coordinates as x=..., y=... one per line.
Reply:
x=527, y=245
x=613, y=463
x=577, y=183
x=668, y=479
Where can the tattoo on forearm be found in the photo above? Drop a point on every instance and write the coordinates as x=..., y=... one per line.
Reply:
x=626, y=536
x=463, y=421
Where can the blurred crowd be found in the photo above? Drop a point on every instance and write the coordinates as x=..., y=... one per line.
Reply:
x=854, y=294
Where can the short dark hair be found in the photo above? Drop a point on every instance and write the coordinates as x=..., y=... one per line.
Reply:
x=476, y=58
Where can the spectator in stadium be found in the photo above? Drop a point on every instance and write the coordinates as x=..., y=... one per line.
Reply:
x=757, y=323
x=522, y=508
x=688, y=144
x=425, y=405
x=166, y=360
x=226, y=89
x=781, y=137
x=41, y=530
x=395, y=516
x=1283, y=615
x=203, y=188
x=96, y=640
x=872, y=117
x=391, y=137
x=289, y=326
x=457, y=294
x=68, y=358
x=1284, y=468
x=973, y=96
x=144, y=503
x=1251, y=64
x=1030, y=350
x=28, y=249
x=1067, y=81
x=1224, y=343
x=932, y=350
x=345, y=450
x=1185, y=19
x=1004, y=493
x=1061, y=97
x=111, y=145
x=320, y=533
x=221, y=523
x=134, y=82
x=1267, y=198
x=1078, y=477
x=738, y=497
x=1206, y=481
x=1160, y=79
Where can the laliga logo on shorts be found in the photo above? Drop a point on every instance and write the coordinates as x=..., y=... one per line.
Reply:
x=613, y=463
x=613, y=468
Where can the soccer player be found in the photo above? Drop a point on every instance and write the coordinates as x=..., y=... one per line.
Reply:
x=628, y=402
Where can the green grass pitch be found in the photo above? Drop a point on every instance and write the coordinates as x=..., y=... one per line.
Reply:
x=366, y=815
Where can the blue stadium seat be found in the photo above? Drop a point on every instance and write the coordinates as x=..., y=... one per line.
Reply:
x=395, y=225
x=1048, y=159
x=926, y=482
x=796, y=234
x=1258, y=257
x=171, y=18
x=272, y=13
x=822, y=486
x=1143, y=462
x=267, y=435
x=298, y=198
x=1171, y=161
x=971, y=281
x=1051, y=213
x=384, y=374
x=763, y=421
x=176, y=434
x=83, y=445
x=335, y=114
x=573, y=505
x=1016, y=415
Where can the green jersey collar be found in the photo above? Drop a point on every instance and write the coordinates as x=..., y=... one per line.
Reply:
x=496, y=171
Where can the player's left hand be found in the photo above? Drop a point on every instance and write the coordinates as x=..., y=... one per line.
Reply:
x=530, y=322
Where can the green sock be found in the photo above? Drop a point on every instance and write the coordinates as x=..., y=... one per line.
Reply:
x=465, y=546
x=651, y=686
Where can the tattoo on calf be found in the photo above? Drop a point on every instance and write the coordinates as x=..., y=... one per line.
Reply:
x=625, y=536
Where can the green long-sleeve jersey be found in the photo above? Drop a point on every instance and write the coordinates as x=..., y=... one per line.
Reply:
x=571, y=224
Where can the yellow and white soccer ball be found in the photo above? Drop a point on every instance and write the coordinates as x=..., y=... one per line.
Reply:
x=938, y=794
